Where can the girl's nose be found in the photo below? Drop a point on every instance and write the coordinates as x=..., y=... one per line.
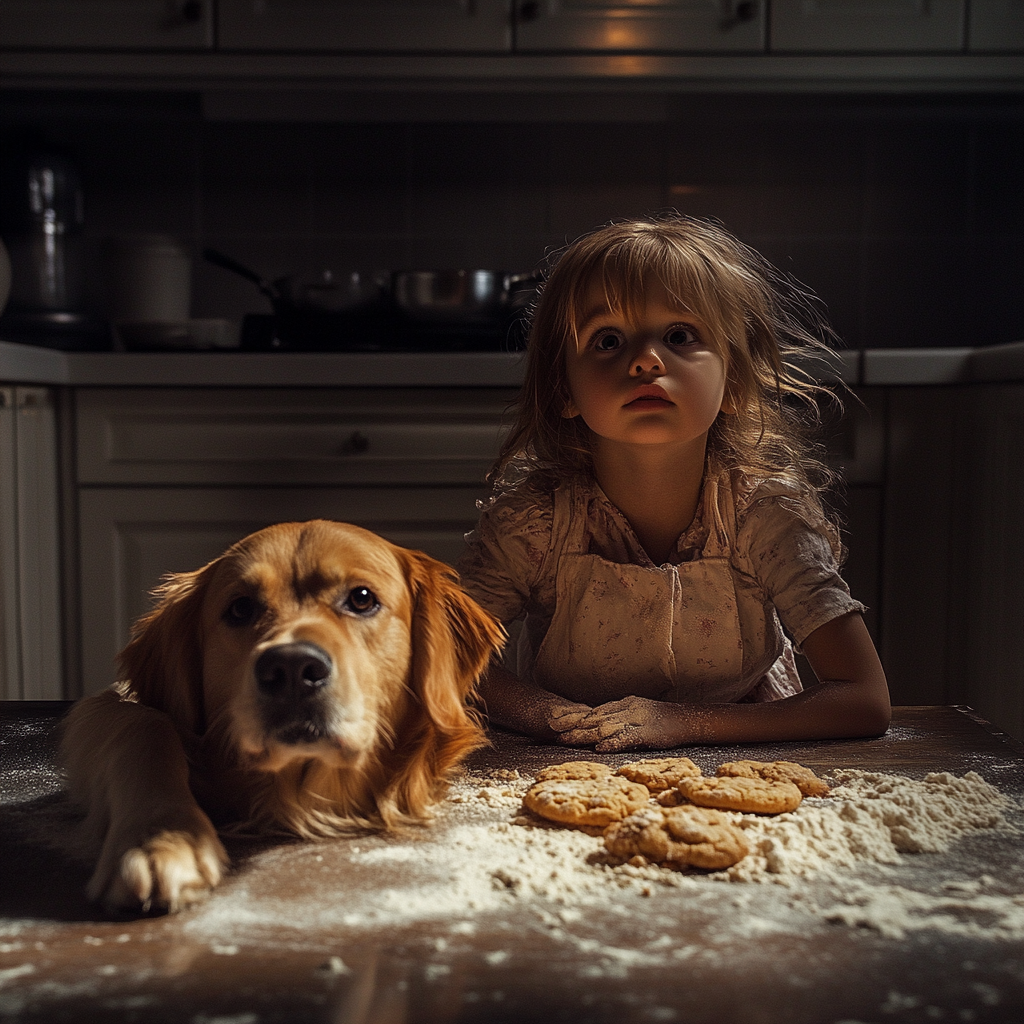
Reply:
x=646, y=360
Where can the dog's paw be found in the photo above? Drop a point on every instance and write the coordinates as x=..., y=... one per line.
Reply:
x=166, y=873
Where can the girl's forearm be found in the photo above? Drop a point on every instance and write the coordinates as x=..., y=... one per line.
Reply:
x=514, y=704
x=832, y=709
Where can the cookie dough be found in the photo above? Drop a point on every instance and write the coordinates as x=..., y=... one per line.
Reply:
x=778, y=771
x=678, y=838
x=586, y=802
x=757, y=796
x=659, y=773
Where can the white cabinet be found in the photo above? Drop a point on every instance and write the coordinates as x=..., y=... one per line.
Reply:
x=654, y=26
x=31, y=633
x=107, y=24
x=881, y=26
x=365, y=25
x=168, y=478
x=996, y=26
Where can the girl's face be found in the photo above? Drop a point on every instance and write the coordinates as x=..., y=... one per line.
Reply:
x=654, y=381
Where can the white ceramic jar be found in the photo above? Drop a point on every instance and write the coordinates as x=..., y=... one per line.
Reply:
x=149, y=279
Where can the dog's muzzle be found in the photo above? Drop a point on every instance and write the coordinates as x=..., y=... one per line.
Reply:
x=290, y=678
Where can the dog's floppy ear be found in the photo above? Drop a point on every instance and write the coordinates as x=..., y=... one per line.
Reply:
x=453, y=639
x=163, y=662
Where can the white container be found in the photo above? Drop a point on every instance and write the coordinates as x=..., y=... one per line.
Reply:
x=149, y=279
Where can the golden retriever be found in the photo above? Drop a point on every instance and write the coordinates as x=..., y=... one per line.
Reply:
x=313, y=679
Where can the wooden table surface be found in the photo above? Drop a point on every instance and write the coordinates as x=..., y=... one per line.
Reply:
x=275, y=944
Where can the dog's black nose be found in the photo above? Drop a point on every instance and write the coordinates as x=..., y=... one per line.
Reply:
x=292, y=671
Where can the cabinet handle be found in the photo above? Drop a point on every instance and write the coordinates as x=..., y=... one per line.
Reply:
x=184, y=12
x=355, y=444
x=742, y=12
x=529, y=10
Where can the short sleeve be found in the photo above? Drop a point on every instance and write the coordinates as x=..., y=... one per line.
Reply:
x=793, y=560
x=507, y=552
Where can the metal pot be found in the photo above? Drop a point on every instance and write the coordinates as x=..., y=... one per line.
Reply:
x=457, y=296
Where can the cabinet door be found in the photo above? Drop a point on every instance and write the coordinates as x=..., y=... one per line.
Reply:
x=834, y=26
x=996, y=25
x=107, y=24
x=131, y=537
x=364, y=25
x=31, y=634
x=651, y=26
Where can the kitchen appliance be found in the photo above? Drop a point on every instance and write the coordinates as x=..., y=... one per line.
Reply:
x=42, y=217
x=449, y=310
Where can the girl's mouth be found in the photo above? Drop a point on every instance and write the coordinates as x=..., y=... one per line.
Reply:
x=649, y=397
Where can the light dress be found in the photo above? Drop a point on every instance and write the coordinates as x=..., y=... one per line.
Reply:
x=602, y=622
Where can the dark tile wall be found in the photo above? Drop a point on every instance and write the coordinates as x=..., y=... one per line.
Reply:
x=905, y=214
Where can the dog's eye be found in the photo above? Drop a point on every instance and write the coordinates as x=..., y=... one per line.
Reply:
x=243, y=611
x=361, y=601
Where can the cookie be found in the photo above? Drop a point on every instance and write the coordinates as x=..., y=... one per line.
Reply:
x=678, y=838
x=574, y=770
x=730, y=793
x=586, y=801
x=778, y=771
x=659, y=773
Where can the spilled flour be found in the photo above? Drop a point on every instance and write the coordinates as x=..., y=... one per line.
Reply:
x=484, y=857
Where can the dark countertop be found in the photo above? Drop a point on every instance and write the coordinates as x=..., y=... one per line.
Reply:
x=28, y=364
x=359, y=931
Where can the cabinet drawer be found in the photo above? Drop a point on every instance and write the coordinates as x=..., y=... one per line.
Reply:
x=107, y=24
x=131, y=537
x=879, y=26
x=335, y=436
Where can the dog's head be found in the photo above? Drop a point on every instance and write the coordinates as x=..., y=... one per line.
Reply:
x=320, y=642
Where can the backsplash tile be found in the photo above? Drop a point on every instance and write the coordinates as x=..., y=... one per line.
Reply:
x=905, y=214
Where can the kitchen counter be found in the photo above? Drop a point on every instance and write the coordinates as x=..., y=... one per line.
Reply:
x=386, y=929
x=26, y=364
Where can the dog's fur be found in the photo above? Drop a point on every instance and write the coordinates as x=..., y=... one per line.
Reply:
x=201, y=730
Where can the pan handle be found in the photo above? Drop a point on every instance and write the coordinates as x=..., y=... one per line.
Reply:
x=219, y=259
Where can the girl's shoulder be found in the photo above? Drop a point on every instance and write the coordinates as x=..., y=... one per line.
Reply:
x=521, y=514
x=779, y=503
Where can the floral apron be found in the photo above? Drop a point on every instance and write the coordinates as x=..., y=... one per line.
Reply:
x=670, y=632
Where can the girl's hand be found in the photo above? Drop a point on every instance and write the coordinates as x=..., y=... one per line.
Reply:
x=633, y=723
x=564, y=716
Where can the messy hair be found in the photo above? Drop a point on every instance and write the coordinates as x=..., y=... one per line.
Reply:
x=767, y=328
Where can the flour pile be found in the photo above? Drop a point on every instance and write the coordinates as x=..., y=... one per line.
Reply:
x=483, y=857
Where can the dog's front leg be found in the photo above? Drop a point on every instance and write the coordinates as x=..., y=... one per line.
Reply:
x=126, y=765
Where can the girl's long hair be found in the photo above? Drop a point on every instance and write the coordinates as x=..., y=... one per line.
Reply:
x=768, y=329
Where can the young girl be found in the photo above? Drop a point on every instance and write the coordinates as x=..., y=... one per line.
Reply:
x=657, y=510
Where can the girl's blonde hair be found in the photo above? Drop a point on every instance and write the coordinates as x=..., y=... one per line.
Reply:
x=763, y=325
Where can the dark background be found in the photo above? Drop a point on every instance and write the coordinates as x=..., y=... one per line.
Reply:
x=905, y=213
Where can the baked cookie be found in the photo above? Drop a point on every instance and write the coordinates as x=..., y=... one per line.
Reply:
x=659, y=773
x=574, y=770
x=586, y=802
x=730, y=793
x=777, y=771
x=678, y=838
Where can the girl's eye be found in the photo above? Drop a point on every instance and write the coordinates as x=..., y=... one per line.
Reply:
x=243, y=611
x=609, y=341
x=361, y=601
x=681, y=336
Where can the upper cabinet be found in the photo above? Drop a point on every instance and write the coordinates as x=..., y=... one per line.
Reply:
x=877, y=26
x=365, y=25
x=107, y=24
x=651, y=26
x=996, y=25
